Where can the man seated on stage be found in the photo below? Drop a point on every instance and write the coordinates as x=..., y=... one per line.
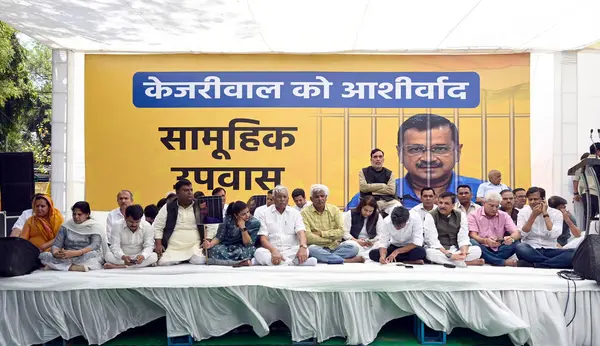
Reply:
x=494, y=232
x=133, y=242
x=150, y=213
x=260, y=210
x=401, y=239
x=299, y=198
x=452, y=245
x=520, y=197
x=427, y=203
x=569, y=228
x=114, y=218
x=540, y=227
x=178, y=230
x=282, y=235
x=379, y=182
x=493, y=185
x=465, y=200
x=324, y=230
x=17, y=228
x=508, y=204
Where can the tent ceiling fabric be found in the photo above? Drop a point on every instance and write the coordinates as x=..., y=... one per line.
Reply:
x=306, y=26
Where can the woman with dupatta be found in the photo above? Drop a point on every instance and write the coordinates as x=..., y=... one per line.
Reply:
x=80, y=244
x=235, y=239
x=42, y=227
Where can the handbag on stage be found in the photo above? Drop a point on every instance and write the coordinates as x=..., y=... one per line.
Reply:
x=18, y=257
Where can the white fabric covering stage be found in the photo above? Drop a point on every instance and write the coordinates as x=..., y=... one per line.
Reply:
x=351, y=300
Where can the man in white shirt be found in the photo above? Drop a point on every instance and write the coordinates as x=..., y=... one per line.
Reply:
x=17, y=228
x=493, y=185
x=401, y=239
x=465, y=200
x=299, y=198
x=452, y=244
x=133, y=242
x=178, y=230
x=260, y=210
x=124, y=200
x=540, y=227
x=427, y=203
x=282, y=234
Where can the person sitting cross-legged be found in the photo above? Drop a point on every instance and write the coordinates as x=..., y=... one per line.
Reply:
x=178, y=228
x=362, y=225
x=133, y=242
x=281, y=234
x=80, y=244
x=494, y=232
x=234, y=243
x=540, y=228
x=324, y=230
x=401, y=239
x=452, y=244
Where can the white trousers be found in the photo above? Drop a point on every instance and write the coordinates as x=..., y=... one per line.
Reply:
x=263, y=257
x=363, y=251
x=436, y=256
x=111, y=258
x=195, y=259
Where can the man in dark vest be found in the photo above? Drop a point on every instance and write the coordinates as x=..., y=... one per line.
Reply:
x=178, y=228
x=453, y=245
x=379, y=182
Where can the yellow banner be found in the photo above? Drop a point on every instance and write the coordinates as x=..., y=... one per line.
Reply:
x=142, y=150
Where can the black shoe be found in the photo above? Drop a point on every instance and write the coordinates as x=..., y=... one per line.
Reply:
x=524, y=263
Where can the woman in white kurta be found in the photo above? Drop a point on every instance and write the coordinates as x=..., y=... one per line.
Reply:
x=362, y=225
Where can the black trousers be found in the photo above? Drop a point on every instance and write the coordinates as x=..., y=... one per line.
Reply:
x=415, y=254
x=594, y=205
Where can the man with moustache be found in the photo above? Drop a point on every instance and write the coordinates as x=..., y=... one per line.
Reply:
x=379, y=182
x=429, y=148
x=520, y=198
x=465, y=200
x=508, y=204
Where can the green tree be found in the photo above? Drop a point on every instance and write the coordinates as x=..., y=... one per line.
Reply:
x=25, y=96
x=15, y=86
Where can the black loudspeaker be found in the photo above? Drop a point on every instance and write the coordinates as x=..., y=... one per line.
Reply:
x=16, y=182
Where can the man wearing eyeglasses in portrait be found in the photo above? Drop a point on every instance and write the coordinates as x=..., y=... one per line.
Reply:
x=429, y=148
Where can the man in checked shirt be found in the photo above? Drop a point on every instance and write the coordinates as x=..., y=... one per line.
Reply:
x=324, y=230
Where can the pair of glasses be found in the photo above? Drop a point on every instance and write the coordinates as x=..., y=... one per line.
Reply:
x=419, y=149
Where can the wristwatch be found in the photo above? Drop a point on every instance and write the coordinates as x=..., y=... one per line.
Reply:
x=546, y=215
x=244, y=229
x=448, y=255
x=304, y=246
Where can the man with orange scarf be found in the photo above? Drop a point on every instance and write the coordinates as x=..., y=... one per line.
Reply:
x=42, y=227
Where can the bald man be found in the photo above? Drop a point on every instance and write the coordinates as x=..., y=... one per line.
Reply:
x=116, y=216
x=493, y=185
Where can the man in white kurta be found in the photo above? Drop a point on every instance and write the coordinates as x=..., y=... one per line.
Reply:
x=184, y=242
x=282, y=234
x=133, y=242
x=114, y=218
x=451, y=243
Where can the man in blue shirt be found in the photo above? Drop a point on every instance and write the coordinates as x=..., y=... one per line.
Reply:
x=428, y=148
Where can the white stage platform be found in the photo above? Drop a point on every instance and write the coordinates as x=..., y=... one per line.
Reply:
x=351, y=300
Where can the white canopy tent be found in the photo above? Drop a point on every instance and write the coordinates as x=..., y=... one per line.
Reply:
x=306, y=26
x=565, y=101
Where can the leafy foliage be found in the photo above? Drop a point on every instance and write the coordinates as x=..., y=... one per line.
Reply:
x=25, y=96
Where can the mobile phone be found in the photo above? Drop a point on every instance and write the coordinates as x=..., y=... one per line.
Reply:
x=448, y=265
x=404, y=265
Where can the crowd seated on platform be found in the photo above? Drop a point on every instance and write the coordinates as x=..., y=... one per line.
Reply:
x=511, y=227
